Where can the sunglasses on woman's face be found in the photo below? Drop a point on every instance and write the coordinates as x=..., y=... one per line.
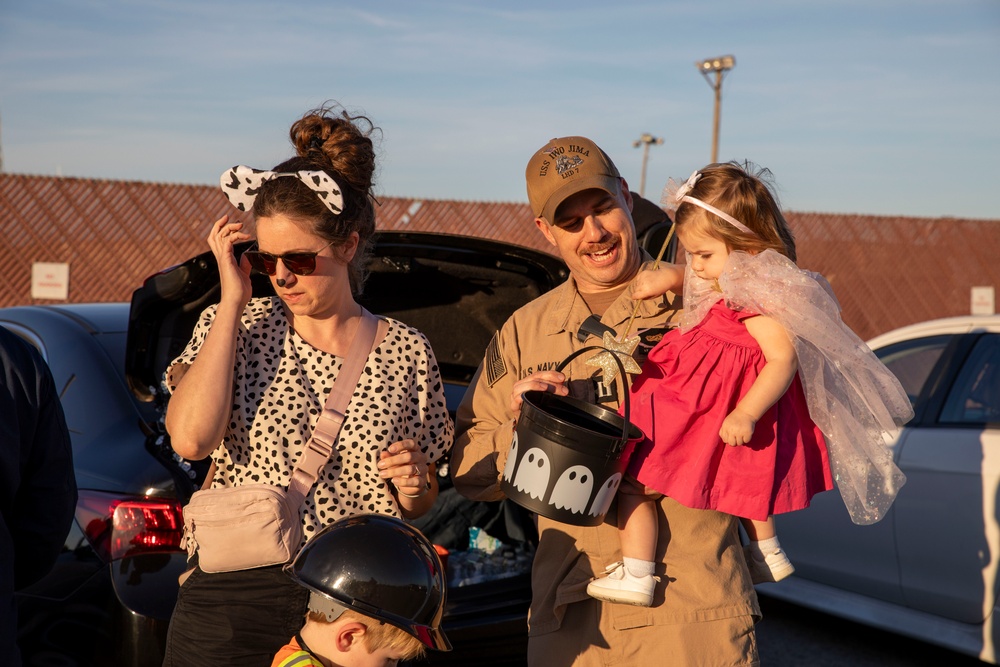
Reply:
x=299, y=263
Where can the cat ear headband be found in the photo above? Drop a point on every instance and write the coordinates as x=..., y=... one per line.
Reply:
x=674, y=195
x=241, y=185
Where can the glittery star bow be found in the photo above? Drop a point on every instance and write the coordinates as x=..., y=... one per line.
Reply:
x=623, y=351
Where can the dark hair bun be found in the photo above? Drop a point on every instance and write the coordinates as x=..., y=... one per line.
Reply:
x=339, y=142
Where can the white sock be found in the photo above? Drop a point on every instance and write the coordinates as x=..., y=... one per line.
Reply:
x=639, y=568
x=761, y=548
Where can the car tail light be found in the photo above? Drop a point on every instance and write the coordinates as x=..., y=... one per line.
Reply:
x=118, y=526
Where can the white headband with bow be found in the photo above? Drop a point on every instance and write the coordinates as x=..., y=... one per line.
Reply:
x=241, y=185
x=673, y=195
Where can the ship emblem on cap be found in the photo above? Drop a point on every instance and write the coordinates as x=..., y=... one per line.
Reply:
x=564, y=164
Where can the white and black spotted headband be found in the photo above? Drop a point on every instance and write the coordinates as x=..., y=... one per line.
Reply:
x=241, y=185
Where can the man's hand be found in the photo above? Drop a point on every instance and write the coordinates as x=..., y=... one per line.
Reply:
x=552, y=382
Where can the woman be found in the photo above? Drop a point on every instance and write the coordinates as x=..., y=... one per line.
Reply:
x=256, y=373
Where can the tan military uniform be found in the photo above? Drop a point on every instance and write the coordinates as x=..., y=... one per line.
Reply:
x=704, y=608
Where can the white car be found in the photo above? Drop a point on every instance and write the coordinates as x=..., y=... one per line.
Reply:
x=929, y=569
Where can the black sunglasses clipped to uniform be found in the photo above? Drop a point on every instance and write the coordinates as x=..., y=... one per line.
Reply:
x=299, y=263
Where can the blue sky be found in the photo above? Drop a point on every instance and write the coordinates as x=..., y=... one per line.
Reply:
x=886, y=107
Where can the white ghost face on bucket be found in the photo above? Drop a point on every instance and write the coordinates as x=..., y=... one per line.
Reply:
x=533, y=473
x=605, y=495
x=508, y=469
x=572, y=489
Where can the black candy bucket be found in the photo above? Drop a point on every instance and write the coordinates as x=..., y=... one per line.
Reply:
x=565, y=461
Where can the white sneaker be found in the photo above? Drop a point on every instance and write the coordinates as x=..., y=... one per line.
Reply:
x=773, y=568
x=618, y=585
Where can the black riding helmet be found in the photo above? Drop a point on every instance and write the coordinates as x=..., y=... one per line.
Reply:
x=381, y=567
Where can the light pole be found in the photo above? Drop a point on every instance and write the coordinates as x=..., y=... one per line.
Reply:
x=645, y=140
x=720, y=66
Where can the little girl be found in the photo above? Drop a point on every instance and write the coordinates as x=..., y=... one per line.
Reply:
x=758, y=396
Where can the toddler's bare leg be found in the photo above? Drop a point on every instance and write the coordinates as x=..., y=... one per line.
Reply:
x=637, y=521
x=632, y=580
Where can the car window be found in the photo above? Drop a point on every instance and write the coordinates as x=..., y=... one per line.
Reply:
x=975, y=396
x=911, y=361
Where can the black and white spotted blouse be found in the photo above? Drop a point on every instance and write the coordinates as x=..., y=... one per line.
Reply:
x=280, y=385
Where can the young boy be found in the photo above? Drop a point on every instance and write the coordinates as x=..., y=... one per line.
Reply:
x=377, y=595
x=351, y=640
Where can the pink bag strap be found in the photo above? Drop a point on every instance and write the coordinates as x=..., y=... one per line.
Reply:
x=371, y=331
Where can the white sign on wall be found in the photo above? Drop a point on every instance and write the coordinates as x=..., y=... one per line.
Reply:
x=983, y=300
x=50, y=280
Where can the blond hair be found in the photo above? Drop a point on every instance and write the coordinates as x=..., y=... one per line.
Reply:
x=378, y=635
x=742, y=191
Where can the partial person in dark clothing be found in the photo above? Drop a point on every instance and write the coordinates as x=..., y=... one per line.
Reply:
x=37, y=485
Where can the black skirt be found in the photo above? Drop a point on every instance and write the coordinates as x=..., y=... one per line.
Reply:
x=234, y=618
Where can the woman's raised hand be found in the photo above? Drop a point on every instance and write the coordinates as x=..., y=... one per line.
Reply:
x=234, y=277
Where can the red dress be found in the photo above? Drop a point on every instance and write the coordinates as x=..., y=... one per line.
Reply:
x=689, y=384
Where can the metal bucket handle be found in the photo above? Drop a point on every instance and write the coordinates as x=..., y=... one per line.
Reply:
x=625, y=391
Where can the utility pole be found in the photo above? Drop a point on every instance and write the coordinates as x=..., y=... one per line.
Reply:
x=645, y=140
x=719, y=66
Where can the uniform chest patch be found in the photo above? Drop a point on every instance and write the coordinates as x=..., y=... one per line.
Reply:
x=493, y=364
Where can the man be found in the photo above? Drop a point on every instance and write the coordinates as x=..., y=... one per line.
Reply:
x=37, y=484
x=704, y=606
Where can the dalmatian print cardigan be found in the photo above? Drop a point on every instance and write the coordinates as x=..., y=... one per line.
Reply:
x=280, y=386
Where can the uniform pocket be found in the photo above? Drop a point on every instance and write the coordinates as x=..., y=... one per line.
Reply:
x=626, y=617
